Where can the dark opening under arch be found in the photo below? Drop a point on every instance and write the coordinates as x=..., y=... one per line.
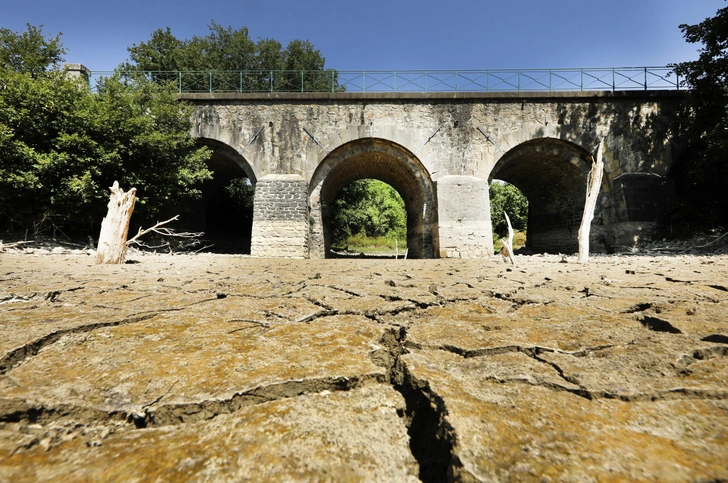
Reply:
x=225, y=212
x=552, y=174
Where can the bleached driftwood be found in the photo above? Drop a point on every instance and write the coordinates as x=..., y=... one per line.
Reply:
x=115, y=226
x=508, y=244
x=593, y=184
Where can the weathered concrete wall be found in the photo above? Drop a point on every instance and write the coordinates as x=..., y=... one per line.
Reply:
x=480, y=136
x=463, y=204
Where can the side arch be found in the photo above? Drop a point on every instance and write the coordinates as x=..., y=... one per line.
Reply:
x=228, y=230
x=388, y=162
x=552, y=174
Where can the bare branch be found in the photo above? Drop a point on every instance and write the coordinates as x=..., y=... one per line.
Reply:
x=154, y=228
x=163, y=231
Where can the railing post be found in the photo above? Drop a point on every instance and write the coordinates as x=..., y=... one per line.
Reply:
x=364, y=81
x=332, y=81
x=487, y=81
x=518, y=77
x=271, y=81
x=395, y=81
x=645, y=78
x=241, y=82
x=210, y=74
x=551, y=71
x=581, y=88
x=302, y=71
x=614, y=80
x=180, y=81
x=457, y=84
x=425, y=81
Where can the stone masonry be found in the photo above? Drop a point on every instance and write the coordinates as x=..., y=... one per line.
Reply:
x=454, y=144
x=280, y=217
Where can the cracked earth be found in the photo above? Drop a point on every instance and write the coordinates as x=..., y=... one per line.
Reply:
x=215, y=368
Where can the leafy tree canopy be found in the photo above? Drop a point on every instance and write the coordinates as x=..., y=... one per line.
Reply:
x=704, y=168
x=30, y=51
x=225, y=49
x=62, y=146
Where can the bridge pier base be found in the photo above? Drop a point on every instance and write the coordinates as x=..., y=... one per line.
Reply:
x=464, y=217
x=280, y=217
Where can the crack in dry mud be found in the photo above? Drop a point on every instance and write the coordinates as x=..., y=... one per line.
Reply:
x=534, y=352
x=16, y=356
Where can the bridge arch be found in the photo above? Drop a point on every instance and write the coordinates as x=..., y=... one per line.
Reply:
x=226, y=226
x=552, y=174
x=386, y=161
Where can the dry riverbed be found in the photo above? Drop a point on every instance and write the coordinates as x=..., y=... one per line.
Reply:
x=222, y=368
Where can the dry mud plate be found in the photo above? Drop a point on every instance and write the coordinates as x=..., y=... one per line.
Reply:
x=213, y=368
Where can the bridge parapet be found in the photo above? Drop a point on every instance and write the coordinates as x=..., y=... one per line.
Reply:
x=487, y=80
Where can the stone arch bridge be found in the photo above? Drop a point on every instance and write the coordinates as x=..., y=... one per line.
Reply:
x=440, y=151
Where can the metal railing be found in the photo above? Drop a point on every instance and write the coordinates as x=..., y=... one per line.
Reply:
x=493, y=80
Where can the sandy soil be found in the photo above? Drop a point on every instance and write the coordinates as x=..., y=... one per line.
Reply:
x=224, y=368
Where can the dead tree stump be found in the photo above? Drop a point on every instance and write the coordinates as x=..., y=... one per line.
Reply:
x=115, y=226
x=594, y=183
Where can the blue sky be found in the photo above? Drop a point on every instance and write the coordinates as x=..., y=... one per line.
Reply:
x=390, y=34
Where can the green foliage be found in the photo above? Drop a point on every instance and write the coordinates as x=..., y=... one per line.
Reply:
x=30, y=51
x=703, y=169
x=363, y=243
x=62, y=146
x=508, y=198
x=225, y=49
x=239, y=194
x=519, y=241
x=371, y=208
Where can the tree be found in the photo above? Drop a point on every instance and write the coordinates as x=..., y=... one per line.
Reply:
x=506, y=197
x=30, y=51
x=229, y=52
x=703, y=170
x=62, y=147
x=369, y=207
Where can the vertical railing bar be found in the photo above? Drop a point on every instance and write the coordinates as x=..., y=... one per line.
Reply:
x=270, y=81
x=614, y=80
x=302, y=74
x=180, y=81
x=364, y=81
x=645, y=78
x=241, y=81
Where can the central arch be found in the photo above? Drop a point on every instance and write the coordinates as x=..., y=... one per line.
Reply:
x=388, y=162
x=552, y=174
